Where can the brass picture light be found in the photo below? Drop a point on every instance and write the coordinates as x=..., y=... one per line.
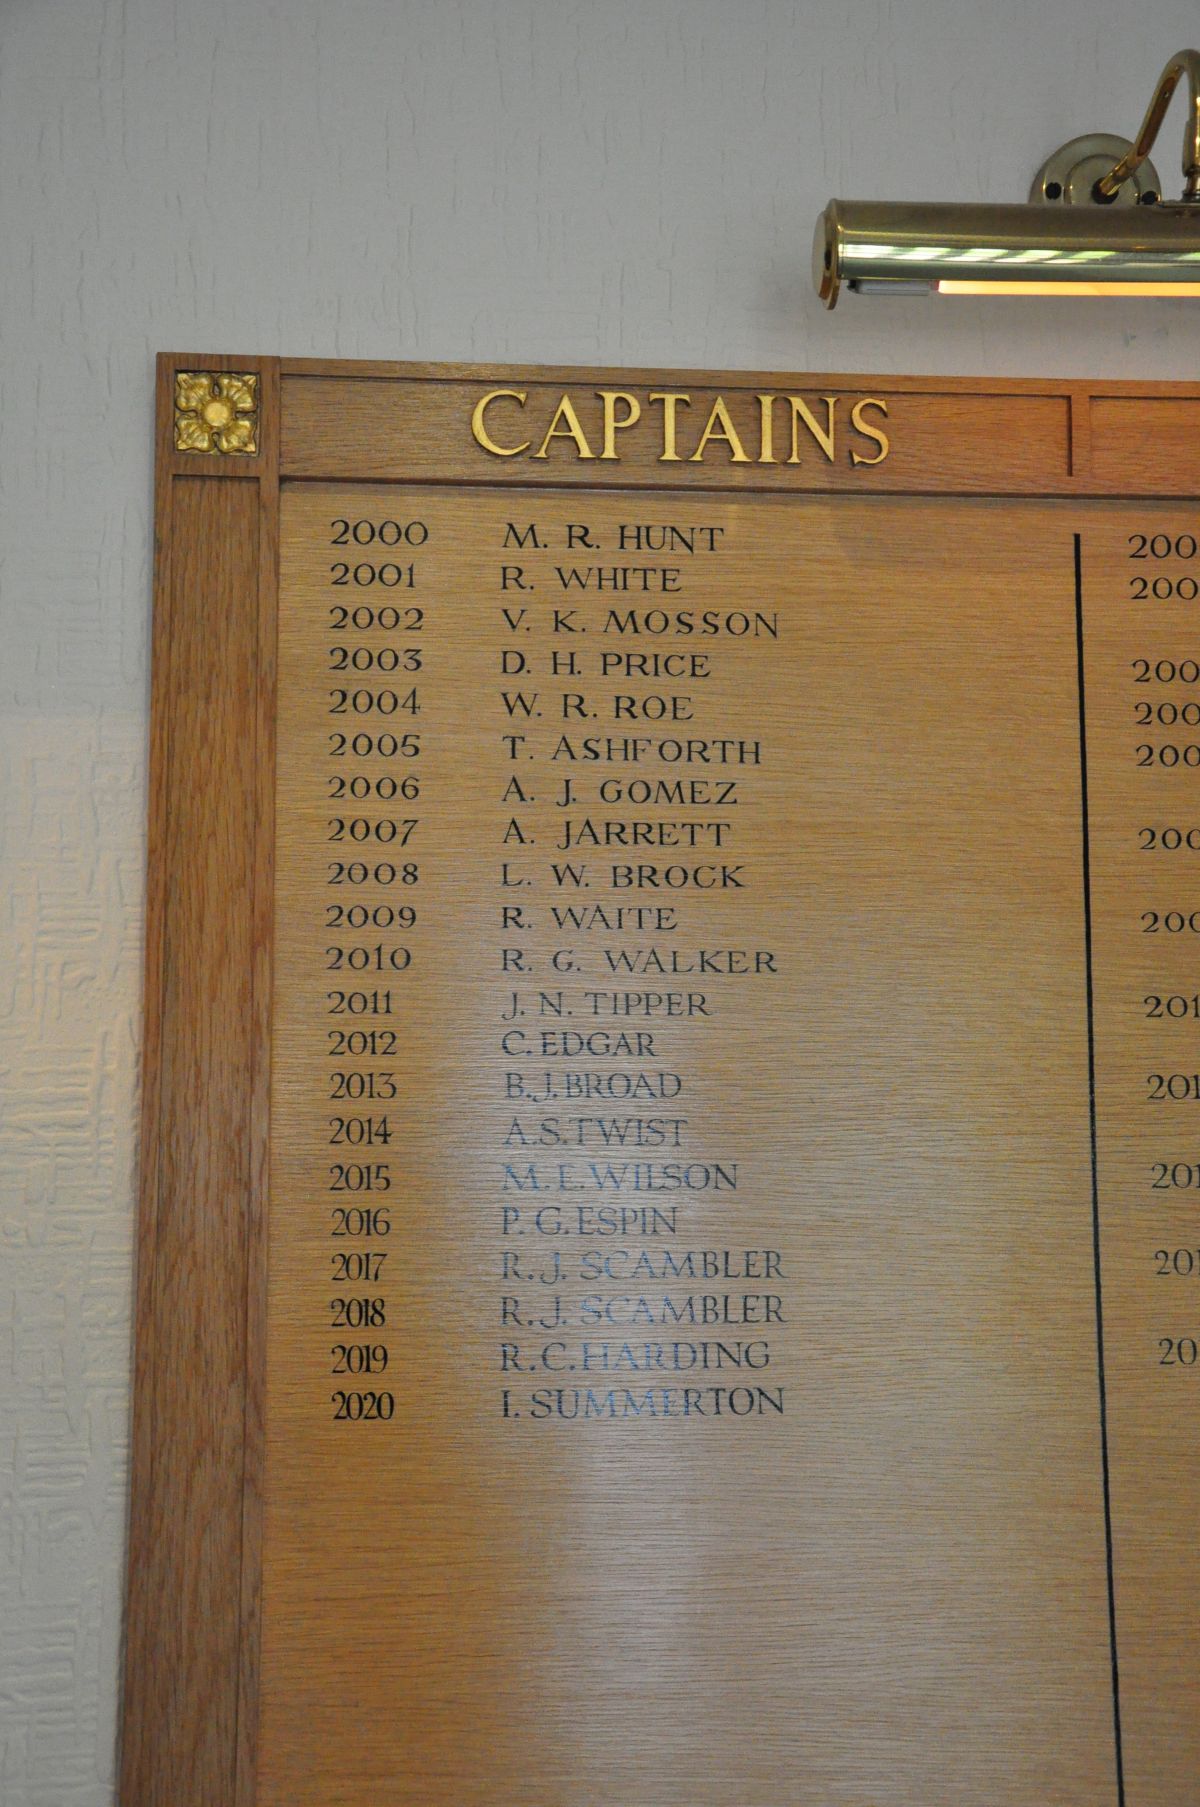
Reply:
x=1095, y=224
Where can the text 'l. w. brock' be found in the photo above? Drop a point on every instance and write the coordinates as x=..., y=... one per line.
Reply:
x=676, y=426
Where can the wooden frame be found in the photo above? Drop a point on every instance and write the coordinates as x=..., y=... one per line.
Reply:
x=195, y=1533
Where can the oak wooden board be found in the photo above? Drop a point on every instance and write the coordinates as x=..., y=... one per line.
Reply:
x=669, y=1271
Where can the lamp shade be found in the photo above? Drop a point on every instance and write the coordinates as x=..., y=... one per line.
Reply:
x=901, y=247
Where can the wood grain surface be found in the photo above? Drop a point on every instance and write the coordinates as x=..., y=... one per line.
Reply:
x=191, y=1634
x=961, y=435
x=936, y=1547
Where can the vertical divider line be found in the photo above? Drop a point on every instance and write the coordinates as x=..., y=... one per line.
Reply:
x=1091, y=1050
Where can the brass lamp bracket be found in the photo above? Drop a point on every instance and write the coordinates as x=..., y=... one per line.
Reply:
x=1098, y=225
x=1107, y=170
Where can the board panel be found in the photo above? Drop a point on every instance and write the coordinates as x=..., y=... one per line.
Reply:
x=711, y=967
x=988, y=443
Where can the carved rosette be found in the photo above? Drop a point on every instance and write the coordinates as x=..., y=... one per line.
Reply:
x=215, y=413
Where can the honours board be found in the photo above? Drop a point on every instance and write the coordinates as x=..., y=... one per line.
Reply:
x=669, y=1258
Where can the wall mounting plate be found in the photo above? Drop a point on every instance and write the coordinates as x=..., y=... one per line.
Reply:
x=1072, y=171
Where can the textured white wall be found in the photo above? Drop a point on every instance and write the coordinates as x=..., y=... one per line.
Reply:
x=544, y=180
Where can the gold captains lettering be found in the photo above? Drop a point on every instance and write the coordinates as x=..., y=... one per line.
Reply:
x=781, y=429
